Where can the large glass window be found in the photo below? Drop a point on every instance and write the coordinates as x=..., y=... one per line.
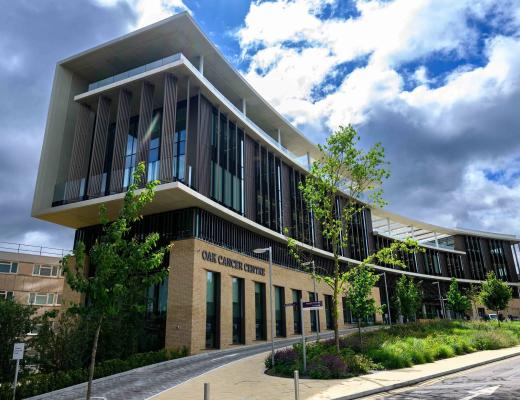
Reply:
x=7, y=267
x=279, y=310
x=296, y=296
x=46, y=270
x=315, y=316
x=155, y=143
x=498, y=258
x=260, y=310
x=238, y=310
x=328, y=311
x=227, y=162
x=179, y=143
x=130, y=152
x=212, y=309
x=347, y=314
x=42, y=299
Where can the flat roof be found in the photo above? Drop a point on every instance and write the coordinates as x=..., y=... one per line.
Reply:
x=181, y=34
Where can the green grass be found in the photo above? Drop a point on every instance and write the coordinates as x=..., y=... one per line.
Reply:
x=400, y=346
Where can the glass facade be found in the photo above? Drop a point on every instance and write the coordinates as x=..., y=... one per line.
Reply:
x=268, y=189
x=154, y=150
x=431, y=262
x=328, y=311
x=315, y=316
x=212, y=308
x=279, y=311
x=130, y=152
x=498, y=259
x=296, y=297
x=454, y=265
x=409, y=259
x=474, y=254
x=347, y=314
x=260, y=311
x=179, y=143
x=227, y=162
x=237, y=285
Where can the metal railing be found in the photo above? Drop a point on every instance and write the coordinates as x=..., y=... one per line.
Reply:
x=134, y=71
x=22, y=248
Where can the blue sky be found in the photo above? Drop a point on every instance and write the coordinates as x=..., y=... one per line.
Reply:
x=436, y=81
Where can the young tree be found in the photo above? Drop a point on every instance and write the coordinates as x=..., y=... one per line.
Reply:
x=408, y=297
x=473, y=295
x=16, y=320
x=359, y=174
x=362, y=277
x=495, y=293
x=457, y=302
x=123, y=264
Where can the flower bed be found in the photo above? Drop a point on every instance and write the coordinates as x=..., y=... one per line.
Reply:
x=397, y=347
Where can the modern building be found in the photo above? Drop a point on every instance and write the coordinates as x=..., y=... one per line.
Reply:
x=229, y=166
x=31, y=275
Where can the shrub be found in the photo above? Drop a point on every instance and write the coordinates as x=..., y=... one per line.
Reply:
x=327, y=366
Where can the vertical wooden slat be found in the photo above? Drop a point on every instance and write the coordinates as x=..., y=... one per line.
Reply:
x=122, y=127
x=204, y=148
x=97, y=160
x=168, y=128
x=192, y=134
x=81, y=146
x=145, y=121
x=249, y=178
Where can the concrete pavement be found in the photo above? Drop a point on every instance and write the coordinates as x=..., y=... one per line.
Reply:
x=245, y=380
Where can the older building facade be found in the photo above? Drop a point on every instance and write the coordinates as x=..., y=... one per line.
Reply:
x=31, y=279
x=229, y=167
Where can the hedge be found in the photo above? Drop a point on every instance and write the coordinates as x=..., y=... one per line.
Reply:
x=36, y=384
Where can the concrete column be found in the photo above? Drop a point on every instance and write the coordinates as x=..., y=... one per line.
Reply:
x=250, y=311
x=289, y=313
x=201, y=65
x=279, y=136
x=244, y=107
x=226, y=311
x=309, y=162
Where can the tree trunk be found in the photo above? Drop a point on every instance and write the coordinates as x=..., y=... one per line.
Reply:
x=335, y=299
x=93, y=359
x=359, y=333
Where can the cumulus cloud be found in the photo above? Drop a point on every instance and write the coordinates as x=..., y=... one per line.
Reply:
x=381, y=68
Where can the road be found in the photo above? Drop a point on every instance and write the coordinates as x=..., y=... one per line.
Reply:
x=497, y=381
x=145, y=382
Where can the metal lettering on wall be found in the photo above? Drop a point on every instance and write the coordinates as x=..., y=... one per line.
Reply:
x=229, y=262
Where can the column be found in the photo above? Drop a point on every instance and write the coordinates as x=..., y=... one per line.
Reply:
x=145, y=120
x=168, y=128
x=122, y=127
x=97, y=161
x=78, y=169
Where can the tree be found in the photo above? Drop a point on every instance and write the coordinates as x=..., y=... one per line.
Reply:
x=408, y=297
x=473, y=295
x=457, y=302
x=15, y=322
x=495, y=293
x=121, y=264
x=359, y=174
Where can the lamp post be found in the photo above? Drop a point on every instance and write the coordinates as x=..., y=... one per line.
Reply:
x=313, y=263
x=270, y=251
x=440, y=298
x=387, y=301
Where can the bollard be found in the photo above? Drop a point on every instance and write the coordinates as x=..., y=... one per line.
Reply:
x=296, y=386
x=206, y=391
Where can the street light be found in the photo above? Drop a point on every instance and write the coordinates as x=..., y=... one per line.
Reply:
x=270, y=251
x=313, y=263
x=440, y=298
x=387, y=302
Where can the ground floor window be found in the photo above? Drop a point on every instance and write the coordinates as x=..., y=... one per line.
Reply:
x=347, y=314
x=260, y=310
x=296, y=296
x=238, y=310
x=315, y=314
x=328, y=311
x=279, y=310
x=212, y=308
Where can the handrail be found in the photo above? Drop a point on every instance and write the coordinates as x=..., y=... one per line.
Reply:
x=23, y=248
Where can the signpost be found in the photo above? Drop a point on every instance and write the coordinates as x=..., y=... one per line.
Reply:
x=18, y=350
x=307, y=305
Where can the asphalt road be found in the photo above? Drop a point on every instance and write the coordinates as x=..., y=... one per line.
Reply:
x=145, y=382
x=497, y=381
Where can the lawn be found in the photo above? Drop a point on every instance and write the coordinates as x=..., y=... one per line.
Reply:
x=397, y=347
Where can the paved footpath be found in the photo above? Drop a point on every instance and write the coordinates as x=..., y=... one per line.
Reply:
x=141, y=383
x=245, y=380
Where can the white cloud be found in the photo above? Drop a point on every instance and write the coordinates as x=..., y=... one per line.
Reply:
x=148, y=11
